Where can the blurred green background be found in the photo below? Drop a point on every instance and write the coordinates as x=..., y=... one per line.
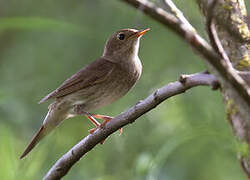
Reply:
x=44, y=42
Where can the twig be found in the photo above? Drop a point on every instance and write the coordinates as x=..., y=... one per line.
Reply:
x=178, y=14
x=245, y=75
x=213, y=36
x=63, y=165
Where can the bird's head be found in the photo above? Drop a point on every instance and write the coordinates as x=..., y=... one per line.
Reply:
x=123, y=44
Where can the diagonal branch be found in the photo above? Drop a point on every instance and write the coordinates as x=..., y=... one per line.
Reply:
x=213, y=36
x=63, y=165
x=227, y=75
x=178, y=14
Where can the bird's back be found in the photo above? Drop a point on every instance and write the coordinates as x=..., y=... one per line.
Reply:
x=117, y=83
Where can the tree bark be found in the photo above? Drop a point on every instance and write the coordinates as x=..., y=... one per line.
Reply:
x=230, y=24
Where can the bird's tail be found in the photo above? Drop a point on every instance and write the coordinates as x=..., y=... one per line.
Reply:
x=51, y=121
x=36, y=138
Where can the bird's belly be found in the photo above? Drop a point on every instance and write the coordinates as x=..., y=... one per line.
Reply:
x=103, y=95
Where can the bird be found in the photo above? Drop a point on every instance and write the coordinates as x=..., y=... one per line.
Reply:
x=100, y=83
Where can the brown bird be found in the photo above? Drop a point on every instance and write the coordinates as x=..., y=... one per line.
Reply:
x=100, y=83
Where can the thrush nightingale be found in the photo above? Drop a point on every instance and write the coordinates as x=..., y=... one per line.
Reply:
x=101, y=82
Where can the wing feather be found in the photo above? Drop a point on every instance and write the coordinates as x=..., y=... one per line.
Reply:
x=90, y=75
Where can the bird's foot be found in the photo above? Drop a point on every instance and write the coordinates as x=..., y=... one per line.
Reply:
x=98, y=125
x=93, y=120
x=91, y=131
x=103, y=117
x=106, y=119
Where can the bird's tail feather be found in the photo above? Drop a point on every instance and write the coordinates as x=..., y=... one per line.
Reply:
x=36, y=138
x=53, y=118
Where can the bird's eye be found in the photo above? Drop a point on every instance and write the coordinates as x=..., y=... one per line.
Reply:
x=121, y=36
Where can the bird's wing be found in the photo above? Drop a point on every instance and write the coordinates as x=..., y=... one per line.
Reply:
x=90, y=75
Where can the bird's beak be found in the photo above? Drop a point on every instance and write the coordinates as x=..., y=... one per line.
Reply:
x=142, y=32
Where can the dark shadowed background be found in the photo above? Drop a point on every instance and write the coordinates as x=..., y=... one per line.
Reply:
x=44, y=42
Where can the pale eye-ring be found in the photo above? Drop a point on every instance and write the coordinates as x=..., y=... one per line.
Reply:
x=121, y=36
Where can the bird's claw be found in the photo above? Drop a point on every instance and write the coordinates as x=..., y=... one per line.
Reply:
x=98, y=125
x=91, y=131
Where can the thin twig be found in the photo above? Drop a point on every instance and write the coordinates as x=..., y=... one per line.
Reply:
x=63, y=165
x=178, y=14
x=213, y=36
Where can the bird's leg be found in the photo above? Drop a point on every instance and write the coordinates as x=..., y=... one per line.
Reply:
x=92, y=117
x=78, y=109
x=95, y=122
x=103, y=117
x=106, y=119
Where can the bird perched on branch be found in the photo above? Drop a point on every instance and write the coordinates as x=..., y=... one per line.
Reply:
x=102, y=82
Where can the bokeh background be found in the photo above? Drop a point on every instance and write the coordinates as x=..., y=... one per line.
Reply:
x=44, y=42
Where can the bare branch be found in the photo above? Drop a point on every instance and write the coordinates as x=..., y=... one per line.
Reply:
x=212, y=33
x=245, y=75
x=213, y=36
x=216, y=44
x=179, y=14
x=227, y=75
x=63, y=165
